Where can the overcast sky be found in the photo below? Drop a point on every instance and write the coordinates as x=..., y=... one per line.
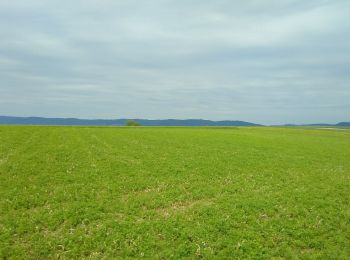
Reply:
x=267, y=61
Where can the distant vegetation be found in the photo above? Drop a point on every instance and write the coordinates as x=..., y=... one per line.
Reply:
x=117, y=122
x=174, y=193
x=131, y=122
x=8, y=120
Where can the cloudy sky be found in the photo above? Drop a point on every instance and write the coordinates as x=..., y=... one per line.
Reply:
x=265, y=61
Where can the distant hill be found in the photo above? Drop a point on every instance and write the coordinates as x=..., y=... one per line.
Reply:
x=9, y=120
x=343, y=124
x=320, y=124
x=192, y=122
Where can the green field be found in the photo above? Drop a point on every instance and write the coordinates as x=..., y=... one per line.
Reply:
x=94, y=192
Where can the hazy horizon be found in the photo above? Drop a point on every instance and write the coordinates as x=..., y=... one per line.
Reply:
x=266, y=62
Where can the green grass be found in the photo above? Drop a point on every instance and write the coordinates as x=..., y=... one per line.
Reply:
x=79, y=192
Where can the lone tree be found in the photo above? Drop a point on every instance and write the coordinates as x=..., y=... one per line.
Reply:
x=131, y=122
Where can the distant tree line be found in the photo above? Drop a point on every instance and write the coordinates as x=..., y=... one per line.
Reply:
x=131, y=122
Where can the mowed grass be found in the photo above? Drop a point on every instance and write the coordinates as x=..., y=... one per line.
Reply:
x=90, y=192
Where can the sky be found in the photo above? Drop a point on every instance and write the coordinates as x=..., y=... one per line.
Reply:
x=263, y=61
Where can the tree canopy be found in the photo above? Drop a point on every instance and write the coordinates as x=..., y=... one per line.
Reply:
x=131, y=122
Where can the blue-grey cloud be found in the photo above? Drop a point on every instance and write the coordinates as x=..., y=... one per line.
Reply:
x=264, y=61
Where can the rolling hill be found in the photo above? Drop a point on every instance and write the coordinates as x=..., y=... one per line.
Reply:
x=116, y=122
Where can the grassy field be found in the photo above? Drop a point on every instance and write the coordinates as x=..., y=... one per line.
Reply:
x=80, y=192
